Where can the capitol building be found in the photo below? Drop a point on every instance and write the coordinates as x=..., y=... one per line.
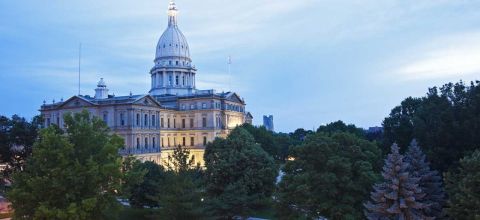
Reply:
x=174, y=112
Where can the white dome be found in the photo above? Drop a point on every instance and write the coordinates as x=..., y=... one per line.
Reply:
x=172, y=44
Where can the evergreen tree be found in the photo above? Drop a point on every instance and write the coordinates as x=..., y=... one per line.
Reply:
x=463, y=188
x=399, y=196
x=430, y=181
x=181, y=192
x=239, y=177
x=70, y=176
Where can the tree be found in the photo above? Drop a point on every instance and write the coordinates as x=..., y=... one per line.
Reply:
x=445, y=123
x=144, y=183
x=74, y=175
x=429, y=181
x=398, y=196
x=17, y=136
x=329, y=177
x=181, y=195
x=462, y=186
x=239, y=176
x=340, y=126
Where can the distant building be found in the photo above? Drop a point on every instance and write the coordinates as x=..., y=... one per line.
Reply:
x=375, y=129
x=268, y=122
x=173, y=113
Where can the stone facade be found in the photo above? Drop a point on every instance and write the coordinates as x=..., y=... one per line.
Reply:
x=173, y=113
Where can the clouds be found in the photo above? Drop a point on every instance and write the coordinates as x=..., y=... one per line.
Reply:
x=307, y=62
x=452, y=56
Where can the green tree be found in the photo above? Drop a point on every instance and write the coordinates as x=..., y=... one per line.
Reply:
x=340, y=126
x=181, y=194
x=239, y=177
x=17, y=136
x=463, y=188
x=399, y=196
x=74, y=175
x=445, y=123
x=329, y=177
x=147, y=189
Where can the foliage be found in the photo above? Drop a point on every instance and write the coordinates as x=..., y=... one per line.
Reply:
x=463, y=188
x=329, y=176
x=17, y=136
x=70, y=176
x=239, y=177
x=145, y=190
x=340, y=126
x=181, y=195
x=399, y=196
x=429, y=181
x=445, y=123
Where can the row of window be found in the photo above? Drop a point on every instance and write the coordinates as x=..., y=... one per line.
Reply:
x=184, y=125
x=147, y=144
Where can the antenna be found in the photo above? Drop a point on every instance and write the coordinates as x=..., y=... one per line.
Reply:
x=79, y=65
x=229, y=64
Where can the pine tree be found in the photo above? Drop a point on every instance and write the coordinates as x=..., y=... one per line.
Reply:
x=430, y=181
x=399, y=195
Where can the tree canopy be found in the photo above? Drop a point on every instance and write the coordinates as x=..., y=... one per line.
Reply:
x=330, y=177
x=71, y=175
x=445, y=123
x=463, y=187
x=239, y=176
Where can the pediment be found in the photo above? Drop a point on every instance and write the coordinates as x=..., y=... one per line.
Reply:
x=76, y=102
x=234, y=98
x=147, y=101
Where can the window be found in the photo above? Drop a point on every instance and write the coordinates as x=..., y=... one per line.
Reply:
x=184, y=141
x=105, y=118
x=138, y=119
x=183, y=107
x=192, y=141
x=183, y=80
x=176, y=62
x=168, y=122
x=170, y=62
x=174, y=123
x=162, y=122
x=153, y=142
x=191, y=122
x=204, y=140
x=176, y=80
x=146, y=143
x=153, y=120
x=58, y=121
x=168, y=142
x=192, y=106
x=138, y=143
x=183, y=122
x=204, y=122
x=145, y=120
x=161, y=139
x=48, y=122
x=174, y=141
x=170, y=81
x=122, y=119
x=204, y=105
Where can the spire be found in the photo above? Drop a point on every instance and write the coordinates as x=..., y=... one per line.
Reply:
x=172, y=14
